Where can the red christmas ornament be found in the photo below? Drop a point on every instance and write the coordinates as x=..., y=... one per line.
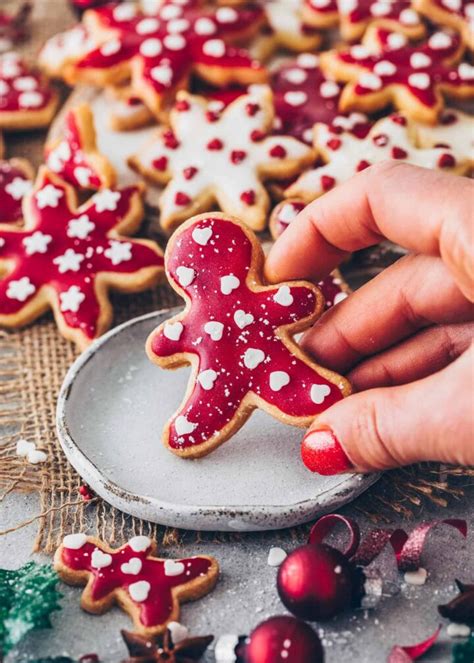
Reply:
x=284, y=638
x=317, y=582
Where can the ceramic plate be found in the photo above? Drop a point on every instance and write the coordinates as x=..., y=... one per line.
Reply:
x=111, y=410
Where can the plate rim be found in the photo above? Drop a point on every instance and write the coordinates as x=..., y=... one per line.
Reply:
x=107, y=488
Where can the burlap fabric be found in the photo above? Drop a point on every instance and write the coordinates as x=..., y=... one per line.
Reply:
x=34, y=361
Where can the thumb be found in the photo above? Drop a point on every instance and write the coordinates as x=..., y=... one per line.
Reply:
x=430, y=419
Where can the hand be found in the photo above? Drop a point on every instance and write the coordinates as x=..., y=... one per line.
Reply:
x=405, y=338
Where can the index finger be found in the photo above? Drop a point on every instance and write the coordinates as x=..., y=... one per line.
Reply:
x=423, y=210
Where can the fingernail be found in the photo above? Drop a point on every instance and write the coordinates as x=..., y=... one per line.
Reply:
x=322, y=452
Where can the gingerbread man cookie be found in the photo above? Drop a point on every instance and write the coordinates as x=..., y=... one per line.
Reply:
x=148, y=588
x=285, y=28
x=304, y=96
x=455, y=131
x=205, y=160
x=345, y=155
x=160, y=51
x=27, y=101
x=237, y=334
x=75, y=157
x=16, y=181
x=67, y=258
x=355, y=16
x=413, y=78
x=455, y=14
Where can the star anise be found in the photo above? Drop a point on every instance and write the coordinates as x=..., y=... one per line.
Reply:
x=461, y=608
x=160, y=648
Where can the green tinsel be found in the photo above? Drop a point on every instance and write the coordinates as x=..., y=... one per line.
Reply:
x=464, y=652
x=27, y=597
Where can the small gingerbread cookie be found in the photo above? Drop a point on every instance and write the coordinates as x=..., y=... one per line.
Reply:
x=413, y=78
x=205, y=160
x=455, y=131
x=286, y=29
x=393, y=137
x=75, y=157
x=304, y=96
x=237, y=334
x=67, y=258
x=355, y=16
x=158, y=52
x=149, y=589
x=455, y=14
x=27, y=100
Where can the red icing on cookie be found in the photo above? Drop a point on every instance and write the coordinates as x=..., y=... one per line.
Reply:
x=64, y=249
x=423, y=70
x=150, y=584
x=162, y=49
x=15, y=183
x=75, y=158
x=21, y=89
x=231, y=330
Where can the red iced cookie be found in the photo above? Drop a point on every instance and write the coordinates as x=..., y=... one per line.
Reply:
x=67, y=258
x=148, y=588
x=237, y=334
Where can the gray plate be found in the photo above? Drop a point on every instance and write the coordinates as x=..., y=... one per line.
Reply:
x=111, y=410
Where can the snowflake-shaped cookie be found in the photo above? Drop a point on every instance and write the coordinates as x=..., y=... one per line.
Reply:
x=67, y=258
x=238, y=336
x=345, y=155
x=304, y=96
x=150, y=589
x=413, y=78
x=285, y=28
x=75, y=157
x=209, y=157
x=27, y=101
x=160, y=51
x=355, y=16
x=455, y=14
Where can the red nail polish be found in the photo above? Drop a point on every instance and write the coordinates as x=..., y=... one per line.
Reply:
x=322, y=452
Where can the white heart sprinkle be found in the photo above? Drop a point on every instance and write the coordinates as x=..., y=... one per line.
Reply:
x=173, y=568
x=439, y=41
x=139, y=543
x=201, y=235
x=151, y=48
x=207, y=378
x=276, y=556
x=139, y=590
x=214, y=329
x=295, y=75
x=185, y=275
x=307, y=60
x=409, y=17
x=319, y=392
x=100, y=560
x=229, y=283
x=183, y=426
x=384, y=68
x=283, y=296
x=132, y=567
x=214, y=48
x=421, y=81
x=204, y=26
x=295, y=98
x=278, y=380
x=329, y=89
x=370, y=81
x=253, y=357
x=243, y=319
x=420, y=60
x=396, y=40
x=74, y=541
x=173, y=330
x=162, y=74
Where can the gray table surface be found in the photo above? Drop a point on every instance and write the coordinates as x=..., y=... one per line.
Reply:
x=246, y=594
